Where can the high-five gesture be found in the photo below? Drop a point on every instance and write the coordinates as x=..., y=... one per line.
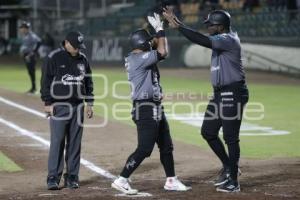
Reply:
x=171, y=18
x=155, y=22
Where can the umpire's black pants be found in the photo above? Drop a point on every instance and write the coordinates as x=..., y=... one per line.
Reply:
x=152, y=127
x=66, y=128
x=30, y=63
x=226, y=110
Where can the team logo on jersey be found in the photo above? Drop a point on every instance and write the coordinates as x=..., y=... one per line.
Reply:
x=146, y=55
x=68, y=79
x=80, y=38
x=81, y=68
x=214, y=68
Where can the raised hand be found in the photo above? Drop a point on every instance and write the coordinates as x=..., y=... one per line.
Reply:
x=171, y=18
x=155, y=22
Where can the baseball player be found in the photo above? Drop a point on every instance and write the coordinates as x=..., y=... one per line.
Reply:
x=29, y=48
x=66, y=82
x=230, y=92
x=147, y=112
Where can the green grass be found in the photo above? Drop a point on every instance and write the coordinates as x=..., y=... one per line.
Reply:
x=8, y=165
x=281, y=109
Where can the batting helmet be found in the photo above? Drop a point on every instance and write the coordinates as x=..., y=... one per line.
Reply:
x=140, y=39
x=218, y=17
x=25, y=24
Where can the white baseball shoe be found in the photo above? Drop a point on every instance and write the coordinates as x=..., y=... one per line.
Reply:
x=173, y=184
x=122, y=184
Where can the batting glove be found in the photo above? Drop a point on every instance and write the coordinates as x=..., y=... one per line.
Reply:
x=155, y=22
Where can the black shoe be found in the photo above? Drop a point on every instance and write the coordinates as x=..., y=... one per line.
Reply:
x=229, y=186
x=223, y=176
x=52, y=183
x=71, y=181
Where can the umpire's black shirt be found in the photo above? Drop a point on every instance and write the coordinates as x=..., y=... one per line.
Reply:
x=66, y=78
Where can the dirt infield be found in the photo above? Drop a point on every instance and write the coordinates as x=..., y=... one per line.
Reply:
x=108, y=148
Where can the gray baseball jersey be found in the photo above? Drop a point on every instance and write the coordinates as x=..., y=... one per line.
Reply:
x=143, y=75
x=226, y=61
x=29, y=42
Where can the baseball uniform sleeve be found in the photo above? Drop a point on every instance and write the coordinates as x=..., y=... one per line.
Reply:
x=149, y=58
x=46, y=81
x=89, y=88
x=195, y=37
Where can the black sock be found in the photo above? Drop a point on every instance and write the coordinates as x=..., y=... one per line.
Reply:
x=167, y=161
x=219, y=149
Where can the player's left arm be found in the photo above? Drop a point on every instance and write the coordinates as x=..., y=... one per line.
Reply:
x=160, y=40
x=89, y=89
x=89, y=85
x=195, y=37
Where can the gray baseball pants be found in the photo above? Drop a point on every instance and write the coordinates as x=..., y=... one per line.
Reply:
x=66, y=133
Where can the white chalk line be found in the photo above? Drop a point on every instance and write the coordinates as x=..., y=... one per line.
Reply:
x=46, y=143
x=196, y=120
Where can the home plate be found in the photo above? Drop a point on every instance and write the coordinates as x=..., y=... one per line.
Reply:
x=140, y=194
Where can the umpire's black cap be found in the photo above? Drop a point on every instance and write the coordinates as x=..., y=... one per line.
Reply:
x=218, y=17
x=76, y=39
x=25, y=24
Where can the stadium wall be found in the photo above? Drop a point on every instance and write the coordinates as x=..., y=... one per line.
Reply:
x=111, y=51
x=255, y=56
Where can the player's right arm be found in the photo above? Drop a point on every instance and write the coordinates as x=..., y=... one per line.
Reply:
x=190, y=34
x=195, y=37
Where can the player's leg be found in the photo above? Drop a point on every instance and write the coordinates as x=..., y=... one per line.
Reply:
x=30, y=64
x=147, y=134
x=32, y=72
x=73, y=149
x=147, y=131
x=231, y=114
x=57, y=144
x=165, y=145
x=210, y=131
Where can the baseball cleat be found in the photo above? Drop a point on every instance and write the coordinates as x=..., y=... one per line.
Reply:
x=230, y=186
x=224, y=175
x=121, y=184
x=173, y=184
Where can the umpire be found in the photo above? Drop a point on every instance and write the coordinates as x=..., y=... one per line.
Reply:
x=30, y=45
x=230, y=92
x=66, y=83
x=147, y=112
